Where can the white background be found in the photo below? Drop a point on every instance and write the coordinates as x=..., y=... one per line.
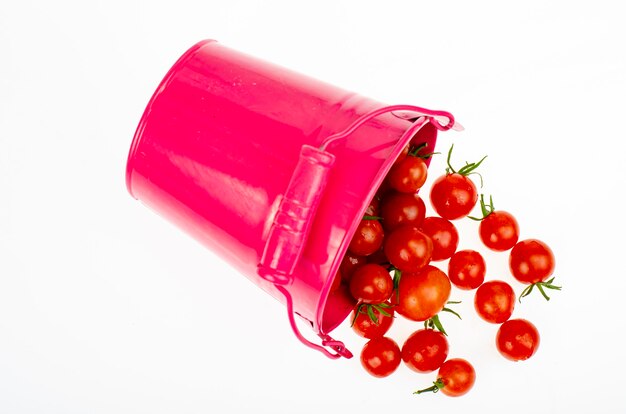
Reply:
x=105, y=307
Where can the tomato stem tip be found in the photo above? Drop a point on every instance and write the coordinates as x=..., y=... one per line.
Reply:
x=437, y=385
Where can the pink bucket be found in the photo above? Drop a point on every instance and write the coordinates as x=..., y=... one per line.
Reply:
x=270, y=169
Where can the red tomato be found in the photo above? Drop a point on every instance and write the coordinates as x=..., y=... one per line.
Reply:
x=531, y=261
x=458, y=377
x=408, y=249
x=455, y=378
x=367, y=239
x=425, y=350
x=494, y=301
x=371, y=283
x=399, y=208
x=364, y=326
x=349, y=264
x=444, y=236
x=408, y=175
x=467, y=269
x=499, y=230
x=380, y=356
x=517, y=339
x=453, y=196
x=423, y=294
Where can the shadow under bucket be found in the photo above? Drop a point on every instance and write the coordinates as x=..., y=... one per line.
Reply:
x=270, y=169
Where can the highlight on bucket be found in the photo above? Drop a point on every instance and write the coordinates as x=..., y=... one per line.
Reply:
x=277, y=197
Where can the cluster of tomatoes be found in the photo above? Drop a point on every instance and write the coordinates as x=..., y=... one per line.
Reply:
x=388, y=269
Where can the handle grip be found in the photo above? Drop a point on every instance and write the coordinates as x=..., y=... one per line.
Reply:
x=295, y=213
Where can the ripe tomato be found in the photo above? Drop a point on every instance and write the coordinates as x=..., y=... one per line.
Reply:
x=349, y=264
x=367, y=239
x=499, y=230
x=399, y=208
x=380, y=356
x=408, y=249
x=531, y=261
x=408, y=175
x=466, y=269
x=425, y=350
x=494, y=301
x=453, y=196
x=455, y=378
x=364, y=326
x=423, y=294
x=458, y=377
x=444, y=236
x=517, y=339
x=371, y=283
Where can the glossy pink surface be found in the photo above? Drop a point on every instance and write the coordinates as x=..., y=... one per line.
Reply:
x=228, y=149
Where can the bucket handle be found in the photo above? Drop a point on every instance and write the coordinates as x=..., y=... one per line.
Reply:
x=435, y=118
x=292, y=222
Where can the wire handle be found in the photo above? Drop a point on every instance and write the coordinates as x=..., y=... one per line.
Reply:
x=434, y=115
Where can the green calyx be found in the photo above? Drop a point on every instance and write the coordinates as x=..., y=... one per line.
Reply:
x=415, y=151
x=486, y=209
x=366, y=217
x=435, y=322
x=437, y=385
x=467, y=169
x=368, y=309
x=541, y=286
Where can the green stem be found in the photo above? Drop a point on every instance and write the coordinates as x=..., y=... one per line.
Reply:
x=540, y=287
x=437, y=385
x=366, y=217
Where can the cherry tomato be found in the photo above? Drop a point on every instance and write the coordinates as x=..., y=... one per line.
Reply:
x=364, y=326
x=531, y=261
x=371, y=283
x=399, y=208
x=457, y=376
x=367, y=239
x=444, y=236
x=349, y=264
x=499, y=230
x=453, y=196
x=466, y=269
x=380, y=356
x=425, y=350
x=408, y=175
x=494, y=301
x=517, y=339
x=408, y=249
x=423, y=294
